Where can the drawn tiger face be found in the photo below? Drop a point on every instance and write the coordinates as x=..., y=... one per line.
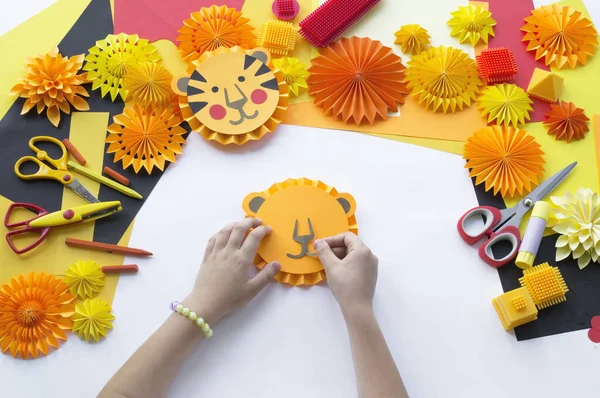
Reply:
x=232, y=92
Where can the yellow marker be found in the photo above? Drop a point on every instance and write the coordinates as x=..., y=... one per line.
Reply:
x=103, y=180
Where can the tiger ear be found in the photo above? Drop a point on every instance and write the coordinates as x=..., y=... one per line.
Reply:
x=347, y=202
x=179, y=84
x=253, y=202
x=262, y=54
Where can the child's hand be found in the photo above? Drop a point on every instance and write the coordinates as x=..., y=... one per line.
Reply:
x=223, y=284
x=351, y=270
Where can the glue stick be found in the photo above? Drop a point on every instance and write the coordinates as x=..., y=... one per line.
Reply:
x=533, y=235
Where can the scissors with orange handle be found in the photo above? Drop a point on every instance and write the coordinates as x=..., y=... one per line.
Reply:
x=51, y=168
x=495, y=225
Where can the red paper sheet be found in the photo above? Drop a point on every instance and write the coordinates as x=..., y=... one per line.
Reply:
x=509, y=15
x=159, y=19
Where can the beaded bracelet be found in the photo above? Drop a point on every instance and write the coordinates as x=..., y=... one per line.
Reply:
x=176, y=306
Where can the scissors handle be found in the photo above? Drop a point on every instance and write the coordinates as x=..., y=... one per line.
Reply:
x=60, y=173
x=470, y=228
x=23, y=226
x=508, y=234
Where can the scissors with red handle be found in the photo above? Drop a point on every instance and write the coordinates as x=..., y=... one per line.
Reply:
x=503, y=225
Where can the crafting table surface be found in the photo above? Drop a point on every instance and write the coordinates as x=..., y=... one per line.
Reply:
x=434, y=295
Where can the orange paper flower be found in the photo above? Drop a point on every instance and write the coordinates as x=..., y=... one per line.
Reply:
x=567, y=122
x=560, y=35
x=505, y=158
x=52, y=83
x=145, y=138
x=149, y=85
x=214, y=27
x=357, y=79
x=35, y=312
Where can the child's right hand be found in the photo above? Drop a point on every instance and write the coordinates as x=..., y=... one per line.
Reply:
x=351, y=270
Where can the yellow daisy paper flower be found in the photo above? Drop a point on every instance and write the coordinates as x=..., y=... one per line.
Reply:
x=149, y=85
x=412, y=38
x=52, y=83
x=505, y=104
x=85, y=278
x=577, y=220
x=92, y=318
x=110, y=59
x=472, y=23
x=294, y=72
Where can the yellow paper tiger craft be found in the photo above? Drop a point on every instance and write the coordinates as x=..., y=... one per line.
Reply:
x=232, y=95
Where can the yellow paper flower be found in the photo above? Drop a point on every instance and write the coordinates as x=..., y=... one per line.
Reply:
x=145, y=138
x=85, y=278
x=92, y=318
x=52, y=83
x=35, y=312
x=506, y=159
x=505, y=104
x=149, y=85
x=577, y=220
x=443, y=78
x=412, y=38
x=214, y=27
x=472, y=23
x=294, y=73
x=110, y=59
x=560, y=35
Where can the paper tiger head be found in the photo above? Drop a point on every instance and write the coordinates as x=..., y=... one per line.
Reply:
x=231, y=92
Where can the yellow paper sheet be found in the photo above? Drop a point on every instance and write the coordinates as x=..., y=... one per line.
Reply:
x=53, y=256
x=596, y=132
x=35, y=36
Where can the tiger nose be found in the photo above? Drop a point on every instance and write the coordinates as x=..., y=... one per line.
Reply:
x=235, y=98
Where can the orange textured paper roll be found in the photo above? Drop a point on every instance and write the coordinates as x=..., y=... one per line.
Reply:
x=117, y=269
x=73, y=151
x=116, y=176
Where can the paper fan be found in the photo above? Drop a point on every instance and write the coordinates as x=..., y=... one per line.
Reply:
x=92, y=318
x=506, y=159
x=300, y=211
x=35, y=312
x=505, y=104
x=294, y=73
x=85, y=278
x=412, y=38
x=52, y=83
x=566, y=122
x=149, y=85
x=443, y=78
x=110, y=59
x=214, y=27
x=472, y=23
x=145, y=138
x=577, y=220
x=232, y=95
x=560, y=35
x=357, y=79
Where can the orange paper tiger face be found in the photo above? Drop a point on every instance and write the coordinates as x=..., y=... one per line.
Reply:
x=232, y=92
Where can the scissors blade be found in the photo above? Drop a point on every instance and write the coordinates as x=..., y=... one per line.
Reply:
x=82, y=191
x=515, y=214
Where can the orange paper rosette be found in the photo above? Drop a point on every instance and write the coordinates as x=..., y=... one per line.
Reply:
x=560, y=35
x=567, y=122
x=52, y=83
x=35, y=312
x=145, y=138
x=357, y=80
x=507, y=159
x=211, y=28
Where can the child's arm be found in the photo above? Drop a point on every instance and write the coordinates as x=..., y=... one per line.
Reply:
x=222, y=286
x=352, y=275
